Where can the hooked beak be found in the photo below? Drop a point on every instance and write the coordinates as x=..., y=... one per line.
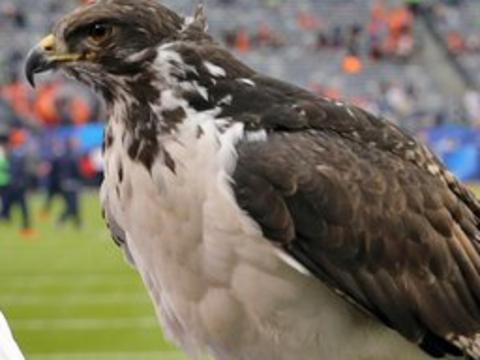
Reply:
x=45, y=57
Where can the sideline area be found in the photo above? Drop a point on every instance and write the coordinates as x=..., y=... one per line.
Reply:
x=68, y=294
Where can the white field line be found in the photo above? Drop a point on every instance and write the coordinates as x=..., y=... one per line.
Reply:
x=167, y=355
x=74, y=299
x=84, y=324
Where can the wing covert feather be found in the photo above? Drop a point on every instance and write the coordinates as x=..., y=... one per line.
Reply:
x=385, y=233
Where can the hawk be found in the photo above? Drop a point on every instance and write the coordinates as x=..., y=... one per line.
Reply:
x=267, y=222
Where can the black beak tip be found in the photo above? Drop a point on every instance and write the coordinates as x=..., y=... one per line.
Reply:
x=31, y=79
x=36, y=62
x=31, y=64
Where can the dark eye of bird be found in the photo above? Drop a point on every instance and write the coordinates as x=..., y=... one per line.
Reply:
x=99, y=32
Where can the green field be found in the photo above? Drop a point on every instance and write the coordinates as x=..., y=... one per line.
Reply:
x=69, y=294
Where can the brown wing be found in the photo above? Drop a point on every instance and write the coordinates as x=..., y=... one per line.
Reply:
x=372, y=214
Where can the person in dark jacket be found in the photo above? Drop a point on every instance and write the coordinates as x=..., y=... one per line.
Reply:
x=53, y=178
x=16, y=191
x=4, y=178
x=70, y=184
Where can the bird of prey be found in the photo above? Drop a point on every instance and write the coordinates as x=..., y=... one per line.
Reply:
x=267, y=222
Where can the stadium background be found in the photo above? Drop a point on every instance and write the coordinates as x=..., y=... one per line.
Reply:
x=65, y=288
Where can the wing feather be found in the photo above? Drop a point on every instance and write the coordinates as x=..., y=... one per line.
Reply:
x=373, y=215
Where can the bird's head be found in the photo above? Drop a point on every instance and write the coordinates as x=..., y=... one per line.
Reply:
x=107, y=40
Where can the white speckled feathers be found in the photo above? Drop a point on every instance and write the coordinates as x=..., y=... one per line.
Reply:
x=218, y=285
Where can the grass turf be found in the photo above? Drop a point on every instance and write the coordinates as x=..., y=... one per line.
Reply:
x=68, y=294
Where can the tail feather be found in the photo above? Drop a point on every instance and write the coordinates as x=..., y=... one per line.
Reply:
x=438, y=347
x=469, y=344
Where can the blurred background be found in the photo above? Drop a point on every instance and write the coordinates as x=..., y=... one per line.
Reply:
x=63, y=284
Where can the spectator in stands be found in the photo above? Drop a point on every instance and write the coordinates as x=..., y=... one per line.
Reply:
x=353, y=41
x=456, y=42
x=242, y=41
x=405, y=45
x=322, y=40
x=14, y=14
x=400, y=41
x=400, y=100
x=70, y=183
x=351, y=64
x=415, y=6
x=471, y=101
x=266, y=37
x=337, y=39
x=306, y=20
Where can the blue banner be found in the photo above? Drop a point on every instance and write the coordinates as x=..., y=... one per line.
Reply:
x=459, y=148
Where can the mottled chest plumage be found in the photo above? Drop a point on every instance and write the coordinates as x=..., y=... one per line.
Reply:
x=218, y=285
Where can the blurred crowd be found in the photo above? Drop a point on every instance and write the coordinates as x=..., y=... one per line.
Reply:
x=338, y=48
x=458, y=22
x=364, y=51
x=387, y=34
x=360, y=50
x=22, y=169
x=37, y=150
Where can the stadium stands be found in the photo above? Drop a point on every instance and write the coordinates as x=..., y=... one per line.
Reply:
x=458, y=23
x=339, y=48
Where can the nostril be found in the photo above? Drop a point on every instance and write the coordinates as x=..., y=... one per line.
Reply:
x=48, y=43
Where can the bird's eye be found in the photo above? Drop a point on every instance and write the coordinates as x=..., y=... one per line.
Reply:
x=99, y=32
